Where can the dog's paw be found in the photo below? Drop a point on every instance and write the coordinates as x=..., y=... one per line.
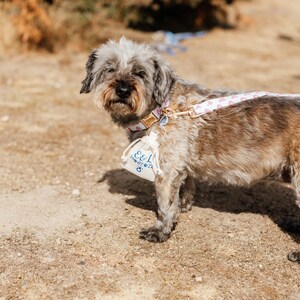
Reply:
x=294, y=256
x=185, y=204
x=185, y=208
x=154, y=235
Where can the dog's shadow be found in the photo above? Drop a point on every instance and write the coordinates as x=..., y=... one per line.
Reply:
x=274, y=199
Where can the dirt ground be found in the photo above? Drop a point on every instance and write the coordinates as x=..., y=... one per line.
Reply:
x=70, y=217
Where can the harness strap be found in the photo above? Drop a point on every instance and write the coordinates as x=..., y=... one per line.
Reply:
x=208, y=106
x=197, y=110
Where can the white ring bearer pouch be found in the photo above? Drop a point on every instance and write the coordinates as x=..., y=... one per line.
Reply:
x=141, y=157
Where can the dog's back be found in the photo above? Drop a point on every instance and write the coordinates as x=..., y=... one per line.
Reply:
x=250, y=141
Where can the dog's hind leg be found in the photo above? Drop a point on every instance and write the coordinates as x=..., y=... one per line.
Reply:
x=167, y=191
x=186, y=194
x=295, y=168
x=296, y=182
x=296, y=185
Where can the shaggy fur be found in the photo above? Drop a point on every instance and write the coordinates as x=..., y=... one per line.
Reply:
x=238, y=145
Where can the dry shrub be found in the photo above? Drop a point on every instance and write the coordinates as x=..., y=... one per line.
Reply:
x=33, y=24
x=194, y=15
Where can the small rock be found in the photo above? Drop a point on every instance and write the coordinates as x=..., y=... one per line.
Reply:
x=19, y=254
x=198, y=279
x=5, y=118
x=89, y=174
x=76, y=192
x=260, y=266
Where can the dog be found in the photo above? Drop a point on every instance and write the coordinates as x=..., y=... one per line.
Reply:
x=237, y=145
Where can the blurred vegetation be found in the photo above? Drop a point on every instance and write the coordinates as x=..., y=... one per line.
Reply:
x=33, y=24
x=177, y=15
x=51, y=24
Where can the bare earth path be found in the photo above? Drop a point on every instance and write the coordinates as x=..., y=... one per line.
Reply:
x=60, y=243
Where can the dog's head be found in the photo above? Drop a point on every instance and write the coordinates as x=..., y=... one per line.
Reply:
x=129, y=79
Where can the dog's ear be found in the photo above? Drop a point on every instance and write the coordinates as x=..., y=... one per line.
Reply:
x=163, y=78
x=86, y=83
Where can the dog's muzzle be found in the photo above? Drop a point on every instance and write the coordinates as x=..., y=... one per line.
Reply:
x=123, y=89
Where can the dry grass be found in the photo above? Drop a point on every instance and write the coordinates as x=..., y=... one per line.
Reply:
x=33, y=25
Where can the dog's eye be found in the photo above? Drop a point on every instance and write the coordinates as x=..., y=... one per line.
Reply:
x=110, y=70
x=141, y=74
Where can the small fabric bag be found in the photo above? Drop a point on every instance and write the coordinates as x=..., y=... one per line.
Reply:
x=141, y=157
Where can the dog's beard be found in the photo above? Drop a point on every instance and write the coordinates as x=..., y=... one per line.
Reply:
x=123, y=111
x=139, y=100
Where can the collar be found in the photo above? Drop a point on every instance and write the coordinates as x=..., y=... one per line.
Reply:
x=150, y=119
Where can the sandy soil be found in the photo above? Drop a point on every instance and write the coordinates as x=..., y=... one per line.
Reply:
x=58, y=244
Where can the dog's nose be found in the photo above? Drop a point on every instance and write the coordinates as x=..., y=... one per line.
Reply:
x=123, y=89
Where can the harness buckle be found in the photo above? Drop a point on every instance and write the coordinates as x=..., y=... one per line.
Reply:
x=174, y=115
x=192, y=113
x=149, y=120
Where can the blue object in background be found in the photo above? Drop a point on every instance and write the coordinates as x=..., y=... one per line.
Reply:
x=172, y=40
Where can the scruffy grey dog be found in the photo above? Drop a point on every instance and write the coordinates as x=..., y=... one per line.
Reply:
x=237, y=145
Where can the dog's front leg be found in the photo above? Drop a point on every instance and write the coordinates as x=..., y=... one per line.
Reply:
x=167, y=191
